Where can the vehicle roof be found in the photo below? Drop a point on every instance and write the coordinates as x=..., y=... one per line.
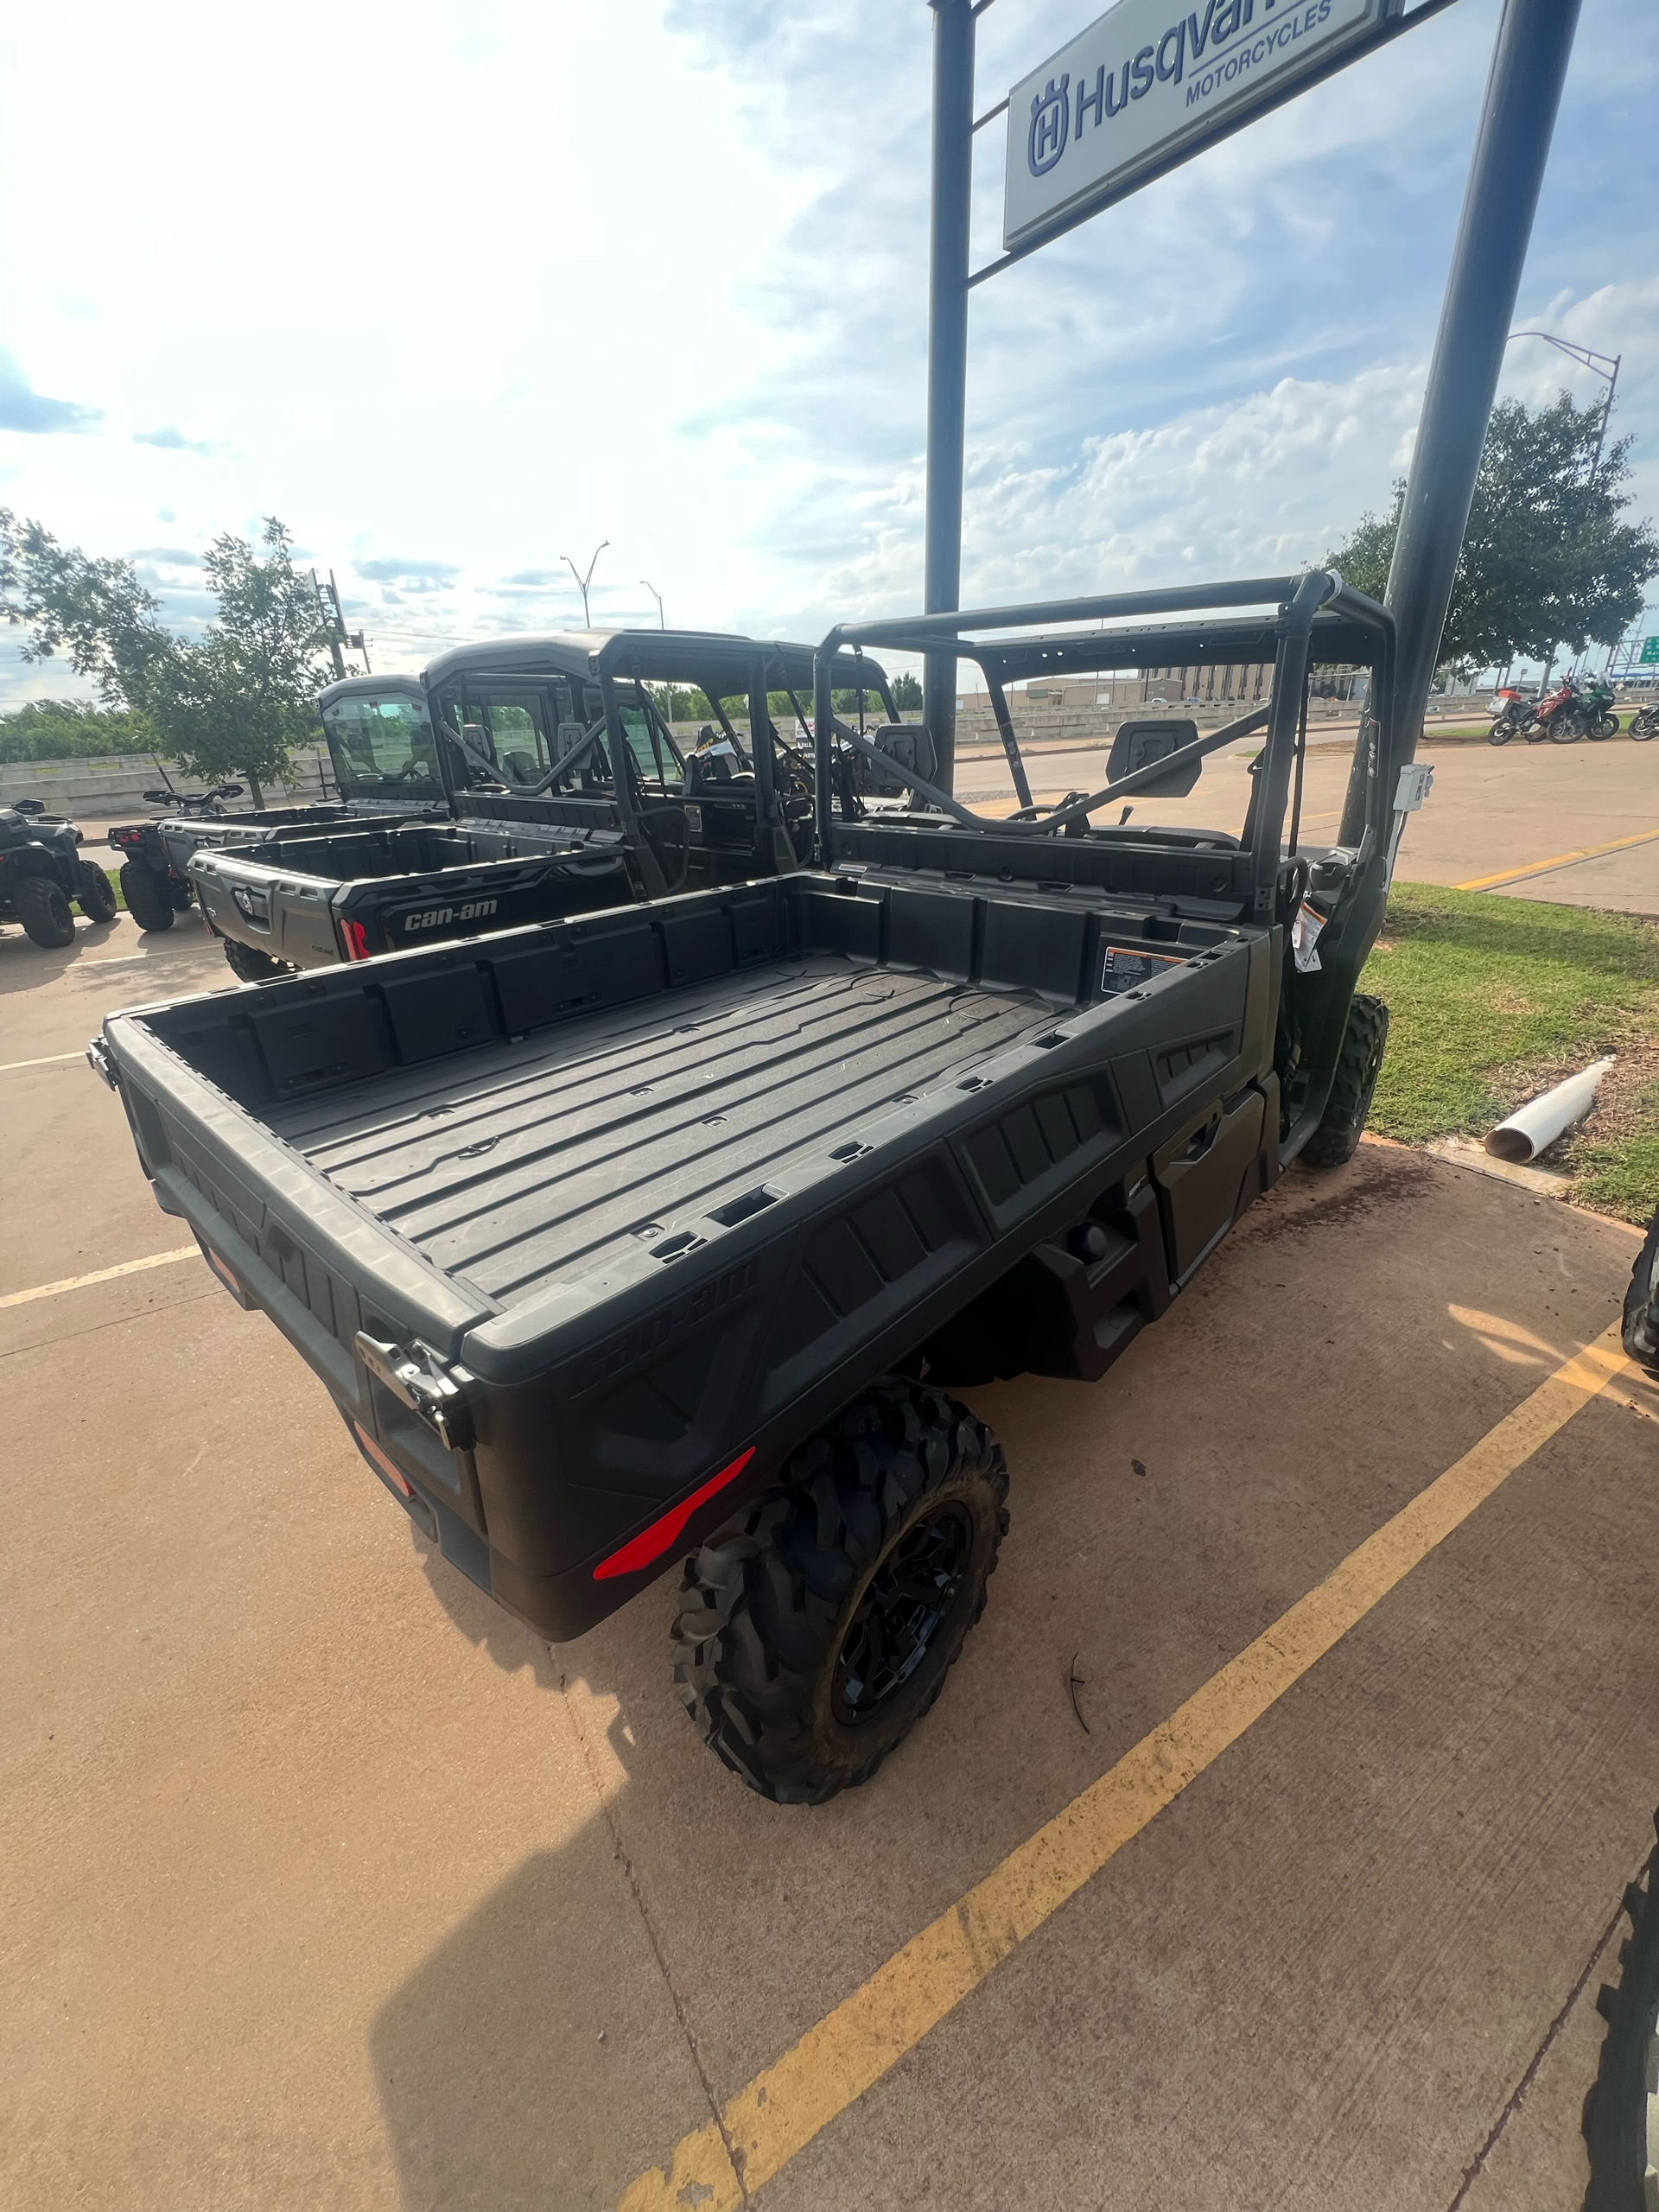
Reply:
x=717, y=661
x=395, y=683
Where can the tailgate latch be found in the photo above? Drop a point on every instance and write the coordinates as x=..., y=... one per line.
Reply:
x=97, y=1059
x=414, y=1374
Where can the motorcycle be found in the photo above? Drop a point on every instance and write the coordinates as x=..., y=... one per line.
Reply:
x=1511, y=716
x=1595, y=711
x=1553, y=717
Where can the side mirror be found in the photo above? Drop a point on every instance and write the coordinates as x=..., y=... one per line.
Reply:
x=1137, y=745
x=228, y=790
x=162, y=798
x=29, y=806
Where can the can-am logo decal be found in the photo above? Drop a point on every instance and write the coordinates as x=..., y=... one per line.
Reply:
x=434, y=918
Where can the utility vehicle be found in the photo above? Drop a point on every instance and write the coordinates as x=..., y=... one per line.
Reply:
x=43, y=878
x=541, y=824
x=664, y=1234
x=357, y=713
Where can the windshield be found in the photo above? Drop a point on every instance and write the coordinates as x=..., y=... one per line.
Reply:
x=383, y=749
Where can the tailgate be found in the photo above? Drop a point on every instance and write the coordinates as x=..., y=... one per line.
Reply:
x=320, y=1266
x=244, y=895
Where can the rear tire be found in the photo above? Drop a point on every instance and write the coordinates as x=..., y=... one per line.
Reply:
x=1364, y=1041
x=252, y=966
x=44, y=912
x=96, y=893
x=1642, y=1305
x=1621, y=2117
x=813, y=1636
x=1500, y=733
x=147, y=902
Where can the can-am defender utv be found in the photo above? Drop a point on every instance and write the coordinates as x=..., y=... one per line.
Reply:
x=668, y=1231
x=541, y=825
x=362, y=716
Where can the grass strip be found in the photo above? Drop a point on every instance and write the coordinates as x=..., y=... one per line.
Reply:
x=1493, y=999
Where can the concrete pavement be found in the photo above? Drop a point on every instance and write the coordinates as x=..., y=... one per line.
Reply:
x=325, y=1883
x=1494, y=811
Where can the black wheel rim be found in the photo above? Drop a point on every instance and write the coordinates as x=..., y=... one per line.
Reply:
x=897, y=1619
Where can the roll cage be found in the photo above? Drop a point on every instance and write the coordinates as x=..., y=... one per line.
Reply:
x=1262, y=875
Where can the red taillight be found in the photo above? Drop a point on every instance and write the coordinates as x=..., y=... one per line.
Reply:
x=357, y=940
x=651, y=1543
x=394, y=1475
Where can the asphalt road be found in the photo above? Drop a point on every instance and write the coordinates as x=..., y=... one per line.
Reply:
x=322, y=1883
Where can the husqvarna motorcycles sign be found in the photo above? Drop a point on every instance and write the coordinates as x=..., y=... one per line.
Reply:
x=1134, y=87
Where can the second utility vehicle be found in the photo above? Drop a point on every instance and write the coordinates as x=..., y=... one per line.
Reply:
x=543, y=824
x=155, y=855
x=666, y=1231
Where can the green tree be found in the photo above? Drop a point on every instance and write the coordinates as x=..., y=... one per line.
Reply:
x=233, y=702
x=1546, y=558
x=72, y=729
x=907, y=694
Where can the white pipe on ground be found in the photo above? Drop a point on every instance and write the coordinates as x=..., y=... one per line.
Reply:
x=1536, y=1126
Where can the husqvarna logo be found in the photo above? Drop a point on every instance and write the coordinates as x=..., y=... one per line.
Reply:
x=1050, y=121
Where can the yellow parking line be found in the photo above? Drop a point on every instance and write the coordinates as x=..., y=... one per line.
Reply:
x=1558, y=860
x=764, y=2126
x=101, y=1274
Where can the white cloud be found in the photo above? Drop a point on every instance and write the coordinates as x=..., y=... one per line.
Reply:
x=525, y=279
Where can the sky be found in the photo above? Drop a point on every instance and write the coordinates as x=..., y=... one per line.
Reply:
x=458, y=289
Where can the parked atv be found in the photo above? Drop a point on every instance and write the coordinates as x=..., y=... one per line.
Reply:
x=42, y=876
x=153, y=887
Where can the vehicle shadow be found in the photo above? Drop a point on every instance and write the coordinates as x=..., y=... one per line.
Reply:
x=481, y=1621
x=25, y=966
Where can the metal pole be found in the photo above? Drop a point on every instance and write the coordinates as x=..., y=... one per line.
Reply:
x=1601, y=438
x=1523, y=89
x=947, y=355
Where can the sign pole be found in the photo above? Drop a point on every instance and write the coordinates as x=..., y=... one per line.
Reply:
x=1523, y=90
x=947, y=355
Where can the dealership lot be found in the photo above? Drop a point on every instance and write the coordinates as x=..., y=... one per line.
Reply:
x=326, y=1882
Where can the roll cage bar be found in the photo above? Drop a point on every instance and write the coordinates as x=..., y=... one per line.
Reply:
x=1317, y=614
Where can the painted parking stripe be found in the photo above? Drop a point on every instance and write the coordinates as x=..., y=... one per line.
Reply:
x=50, y=1059
x=101, y=1274
x=1560, y=859
x=765, y=2125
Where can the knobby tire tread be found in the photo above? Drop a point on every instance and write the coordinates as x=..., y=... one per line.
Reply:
x=762, y=1603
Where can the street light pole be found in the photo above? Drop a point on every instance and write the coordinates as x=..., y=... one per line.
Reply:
x=1606, y=366
x=661, y=622
x=582, y=581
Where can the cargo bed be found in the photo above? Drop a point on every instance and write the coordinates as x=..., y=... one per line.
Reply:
x=650, y=1191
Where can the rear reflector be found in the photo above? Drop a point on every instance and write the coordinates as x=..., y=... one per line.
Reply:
x=226, y=1275
x=357, y=940
x=651, y=1543
x=393, y=1474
